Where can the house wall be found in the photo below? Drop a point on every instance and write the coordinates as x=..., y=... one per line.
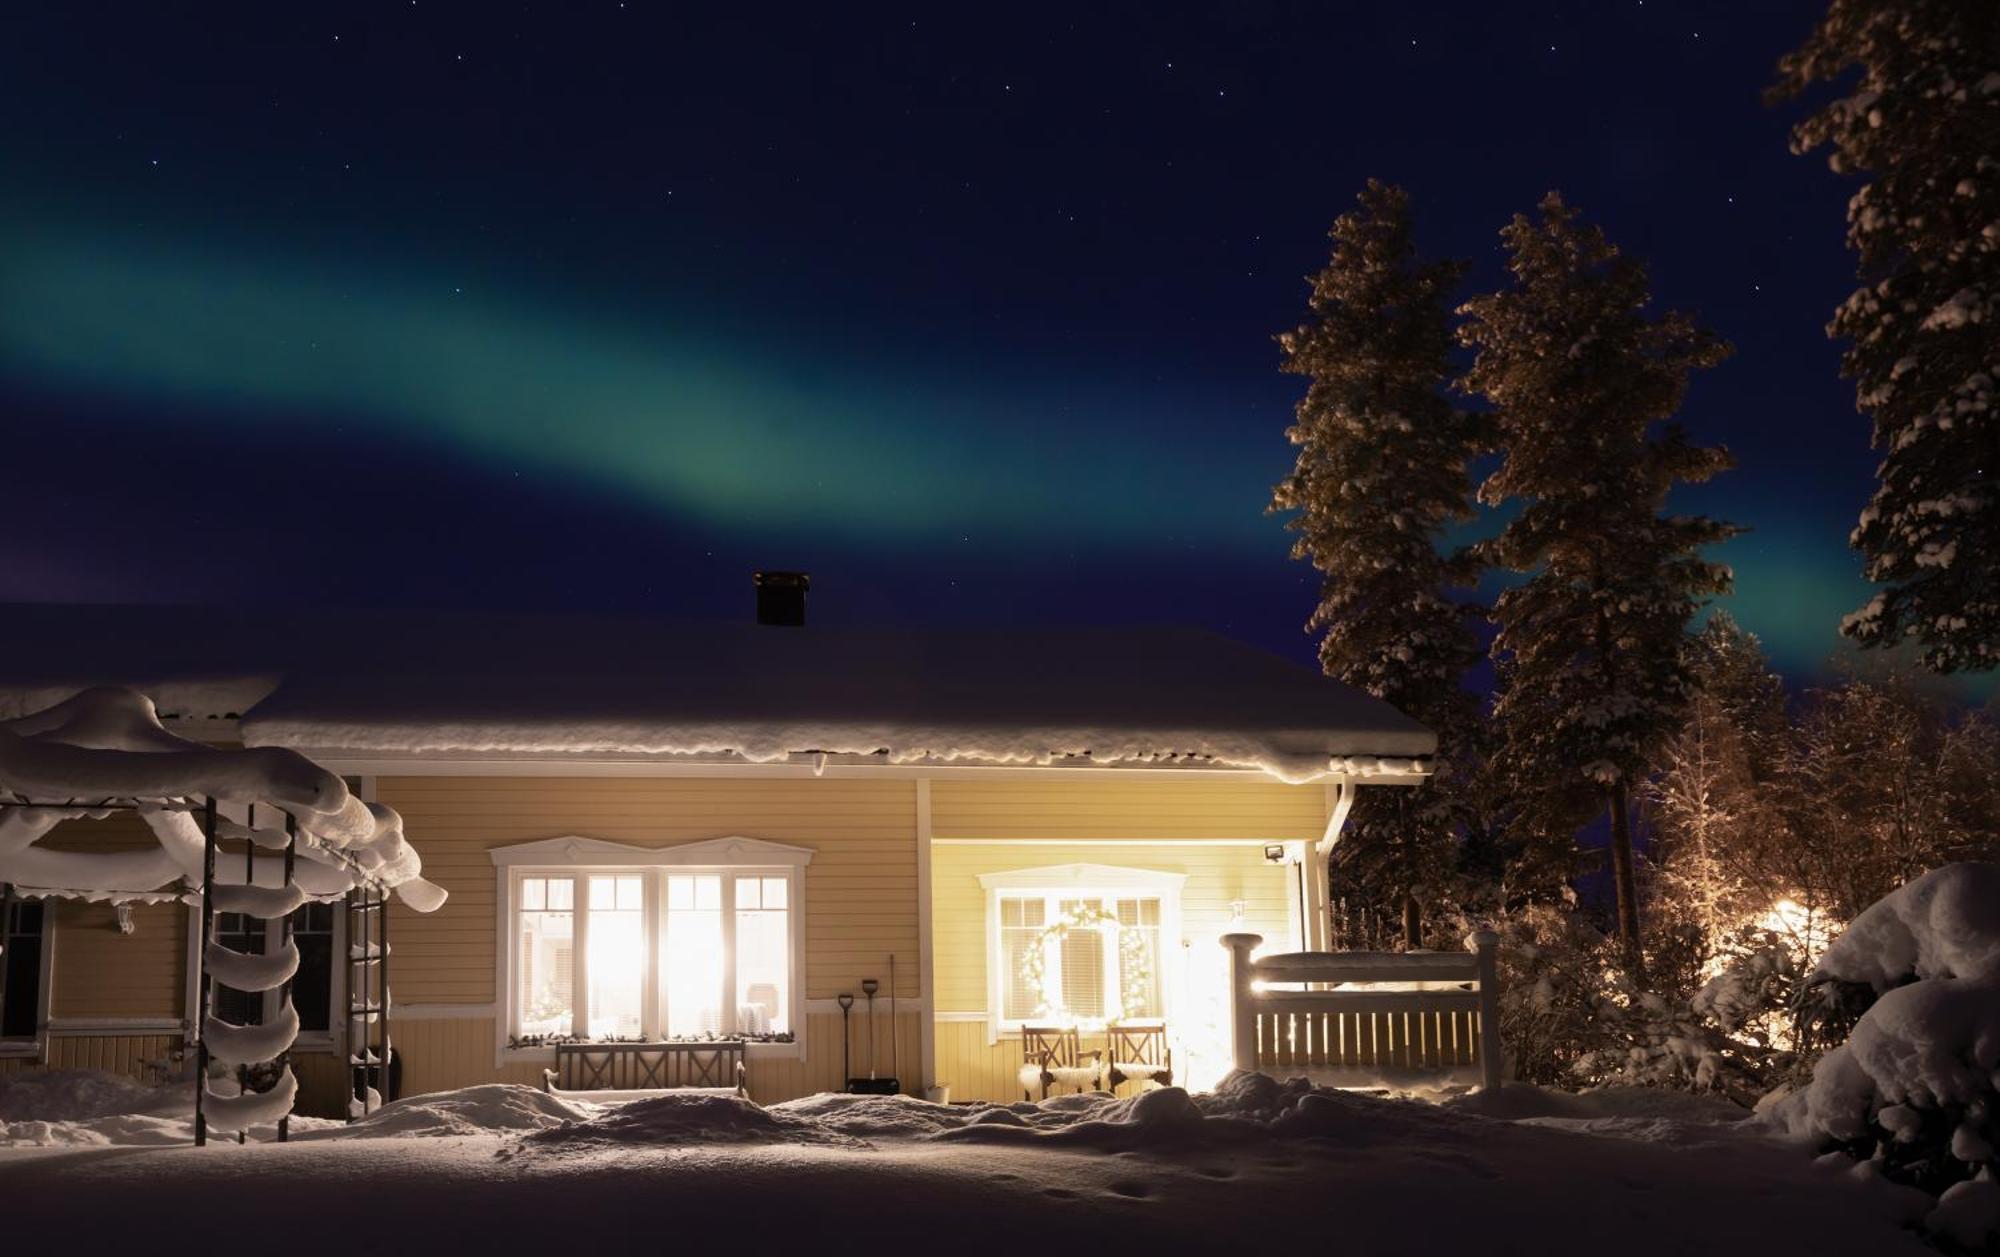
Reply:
x=861, y=904
x=860, y=900
x=1211, y=830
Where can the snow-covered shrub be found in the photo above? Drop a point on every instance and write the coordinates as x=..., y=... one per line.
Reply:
x=1916, y=1086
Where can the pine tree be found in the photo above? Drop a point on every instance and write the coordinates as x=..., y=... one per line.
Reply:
x=1922, y=121
x=1381, y=473
x=1591, y=650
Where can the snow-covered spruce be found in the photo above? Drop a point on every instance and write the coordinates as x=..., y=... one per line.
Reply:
x=1919, y=117
x=1585, y=378
x=1382, y=471
x=1916, y=1087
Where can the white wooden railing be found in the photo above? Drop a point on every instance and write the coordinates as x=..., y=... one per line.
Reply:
x=1364, y=1016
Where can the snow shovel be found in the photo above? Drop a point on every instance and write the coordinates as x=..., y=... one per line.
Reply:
x=871, y=1085
x=846, y=1002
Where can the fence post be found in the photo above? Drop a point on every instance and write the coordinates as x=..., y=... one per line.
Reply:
x=1242, y=1018
x=1487, y=944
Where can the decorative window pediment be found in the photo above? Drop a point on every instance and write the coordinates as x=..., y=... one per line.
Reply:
x=731, y=852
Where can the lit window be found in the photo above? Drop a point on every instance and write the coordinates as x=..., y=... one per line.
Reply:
x=763, y=955
x=544, y=943
x=652, y=952
x=1078, y=957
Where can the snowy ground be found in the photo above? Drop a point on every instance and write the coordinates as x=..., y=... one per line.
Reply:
x=1258, y=1164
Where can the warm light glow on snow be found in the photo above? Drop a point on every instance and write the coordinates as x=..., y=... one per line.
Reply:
x=1808, y=930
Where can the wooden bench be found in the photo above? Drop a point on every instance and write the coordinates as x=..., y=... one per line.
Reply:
x=584, y=1069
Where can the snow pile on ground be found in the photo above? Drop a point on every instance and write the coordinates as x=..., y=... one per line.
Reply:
x=1259, y=1162
x=87, y=1108
x=1915, y=1086
x=491, y=1109
x=70, y=1095
x=684, y=1120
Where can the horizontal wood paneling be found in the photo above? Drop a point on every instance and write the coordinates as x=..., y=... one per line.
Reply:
x=102, y=973
x=1137, y=808
x=861, y=888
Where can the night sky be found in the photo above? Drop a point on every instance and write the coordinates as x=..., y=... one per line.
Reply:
x=601, y=305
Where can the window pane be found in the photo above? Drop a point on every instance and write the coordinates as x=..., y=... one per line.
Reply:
x=545, y=964
x=1021, y=921
x=763, y=958
x=617, y=961
x=562, y=894
x=534, y=894
x=312, y=985
x=1082, y=960
x=775, y=890
x=694, y=954
x=22, y=930
x=245, y=934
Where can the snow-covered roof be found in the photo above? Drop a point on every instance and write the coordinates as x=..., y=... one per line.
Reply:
x=104, y=749
x=391, y=685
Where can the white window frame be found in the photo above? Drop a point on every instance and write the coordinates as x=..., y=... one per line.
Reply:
x=579, y=857
x=36, y=1045
x=1081, y=881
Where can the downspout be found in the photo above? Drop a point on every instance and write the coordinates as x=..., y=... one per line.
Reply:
x=1314, y=870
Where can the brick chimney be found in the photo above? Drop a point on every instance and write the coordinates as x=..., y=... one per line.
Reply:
x=781, y=597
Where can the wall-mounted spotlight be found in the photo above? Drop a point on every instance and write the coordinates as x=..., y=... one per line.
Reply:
x=123, y=912
x=1274, y=852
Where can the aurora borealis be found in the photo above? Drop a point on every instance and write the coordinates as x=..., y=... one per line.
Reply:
x=603, y=305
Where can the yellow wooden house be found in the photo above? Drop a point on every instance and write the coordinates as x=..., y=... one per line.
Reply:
x=653, y=830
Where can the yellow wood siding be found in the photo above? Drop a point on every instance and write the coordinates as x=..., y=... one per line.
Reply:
x=102, y=973
x=129, y=1054
x=861, y=887
x=98, y=971
x=1140, y=807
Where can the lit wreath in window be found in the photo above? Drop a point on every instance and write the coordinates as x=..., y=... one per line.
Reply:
x=1135, y=962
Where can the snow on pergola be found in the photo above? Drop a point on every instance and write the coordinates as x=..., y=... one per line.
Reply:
x=104, y=751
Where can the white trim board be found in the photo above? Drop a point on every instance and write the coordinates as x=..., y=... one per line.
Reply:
x=1108, y=844
x=362, y=764
x=926, y=949
x=97, y=1027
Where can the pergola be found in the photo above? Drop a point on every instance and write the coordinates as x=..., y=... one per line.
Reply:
x=256, y=831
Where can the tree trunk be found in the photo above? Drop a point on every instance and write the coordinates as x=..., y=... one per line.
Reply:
x=1413, y=923
x=1626, y=884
